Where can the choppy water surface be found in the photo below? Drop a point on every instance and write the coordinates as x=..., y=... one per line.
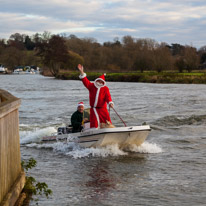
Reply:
x=168, y=169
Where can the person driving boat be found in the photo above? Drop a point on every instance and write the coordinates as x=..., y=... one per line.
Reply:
x=79, y=117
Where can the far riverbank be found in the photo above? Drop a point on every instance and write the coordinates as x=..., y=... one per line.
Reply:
x=197, y=77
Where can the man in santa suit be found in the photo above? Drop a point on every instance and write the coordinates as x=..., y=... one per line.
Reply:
x=99, y=97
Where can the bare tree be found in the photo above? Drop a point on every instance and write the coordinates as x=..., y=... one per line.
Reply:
x=191, y=58
x=12, y=57
x=162, y=59
x=180, y=63
x=54, y=53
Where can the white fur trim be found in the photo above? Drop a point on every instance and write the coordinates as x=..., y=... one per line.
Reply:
x=80, y=105
x=97, y=116
x=111, y=103
x=97, y=97
x=82, y=76
x=97, y=85
x=95, y=104
x=100, y=79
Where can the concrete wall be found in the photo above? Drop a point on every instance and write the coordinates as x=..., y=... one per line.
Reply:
x=12, y=179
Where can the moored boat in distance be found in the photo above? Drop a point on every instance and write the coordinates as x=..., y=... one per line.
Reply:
x=93, y=137
x=3, y=70
x=26, y=70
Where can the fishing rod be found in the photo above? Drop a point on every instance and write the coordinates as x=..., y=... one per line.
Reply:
x=118, y=116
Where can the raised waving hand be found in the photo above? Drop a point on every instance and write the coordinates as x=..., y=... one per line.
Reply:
x=81, y=69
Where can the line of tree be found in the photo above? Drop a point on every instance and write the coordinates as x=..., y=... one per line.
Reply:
x=61, y=52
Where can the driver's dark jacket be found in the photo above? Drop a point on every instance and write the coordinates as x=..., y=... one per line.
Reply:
x=76, y=121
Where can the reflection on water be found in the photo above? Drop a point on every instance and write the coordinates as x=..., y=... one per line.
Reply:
x=101, y=181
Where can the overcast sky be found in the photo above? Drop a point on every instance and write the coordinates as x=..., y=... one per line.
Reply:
x=175, y=21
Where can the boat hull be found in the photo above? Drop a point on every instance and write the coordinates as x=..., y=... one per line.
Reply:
x=122, y=136
x=122, y=139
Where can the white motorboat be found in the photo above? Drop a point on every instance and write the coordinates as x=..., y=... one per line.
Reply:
x=27, y=71
x=123, y=136
x=3, y=70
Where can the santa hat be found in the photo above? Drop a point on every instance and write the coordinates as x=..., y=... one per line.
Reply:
x=80, y=104
x=102, y=78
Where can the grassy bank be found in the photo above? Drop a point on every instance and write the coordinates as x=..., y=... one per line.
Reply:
x=148, y=77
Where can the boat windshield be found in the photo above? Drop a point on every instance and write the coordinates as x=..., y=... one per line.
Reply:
x=86, y=113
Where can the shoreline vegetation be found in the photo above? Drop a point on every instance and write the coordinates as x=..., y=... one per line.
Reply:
x=125, y=59
x=196, y=77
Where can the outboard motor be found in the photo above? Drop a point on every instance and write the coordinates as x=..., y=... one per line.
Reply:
x=64, y=130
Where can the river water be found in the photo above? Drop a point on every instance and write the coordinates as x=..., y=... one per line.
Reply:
x=168, y=169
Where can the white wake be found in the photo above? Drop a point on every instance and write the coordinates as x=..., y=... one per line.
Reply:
x=73, y=150
x=35, y=135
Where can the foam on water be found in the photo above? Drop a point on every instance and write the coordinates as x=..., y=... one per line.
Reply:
x=111, y=150
x=23, y=125
x=35, y=135
x=73, y=150
x=146, y=147
x=61, y=147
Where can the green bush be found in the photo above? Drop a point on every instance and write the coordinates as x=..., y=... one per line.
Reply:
x=32, y=187
x=148, y=76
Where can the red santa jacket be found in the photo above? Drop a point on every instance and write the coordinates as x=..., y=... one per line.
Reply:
x=99, y=97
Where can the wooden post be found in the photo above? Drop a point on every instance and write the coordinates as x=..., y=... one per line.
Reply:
x=12, y=179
